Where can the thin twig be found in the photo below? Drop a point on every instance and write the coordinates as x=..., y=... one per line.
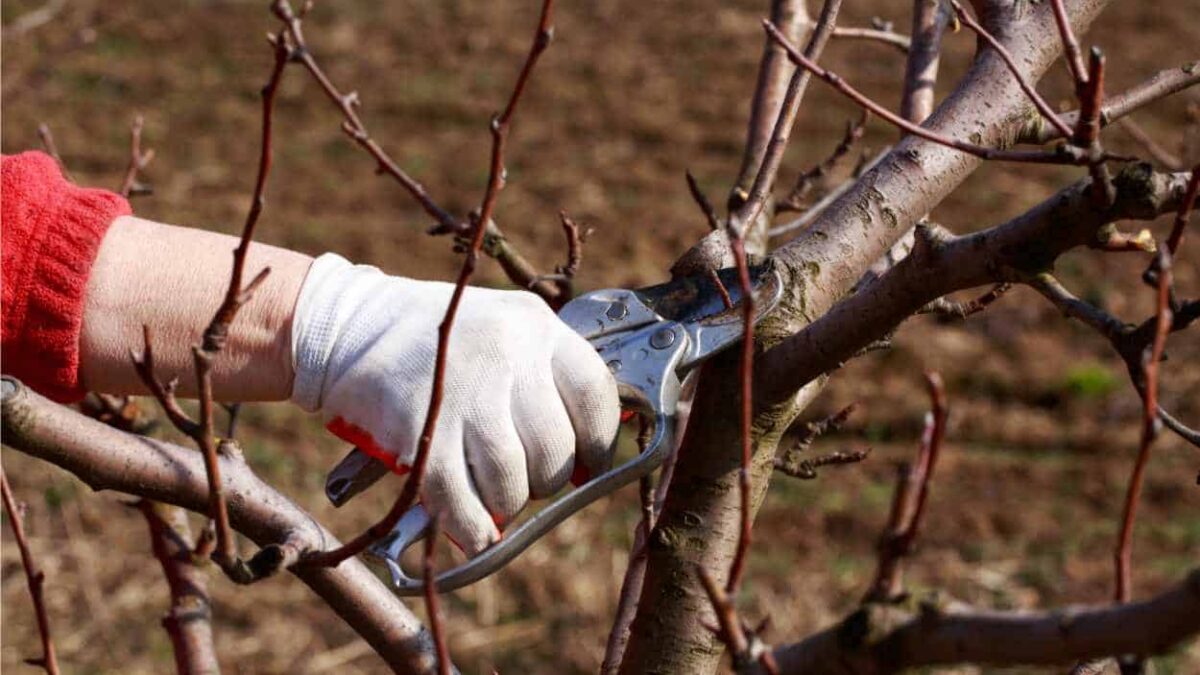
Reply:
x=138, y=161
x=51, y=147
x=1030, y=92
x=908, y=503
x=764, y=180
x=1185, y=210
x=806, y=469
x=1061, y=155
x=746, y=383
x=706, y=207
x=635, y=572
x=887, y=37
x=353, y=125
x=948, y=309
x=806, y=181
x=1070, y=45
x=34, y=576
x=1157, y=152
x=744, y=645
x=412, y=487
x=813, y=212
x=432, y=605
x=1150, y=428
x=215, y=336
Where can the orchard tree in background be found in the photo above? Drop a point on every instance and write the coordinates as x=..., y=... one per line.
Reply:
x=857, y=261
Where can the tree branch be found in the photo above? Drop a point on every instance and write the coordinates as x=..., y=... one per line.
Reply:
x=879, y=639
x=189, y=620
x=1160, y=85
x=108, y=459
x=942, y=263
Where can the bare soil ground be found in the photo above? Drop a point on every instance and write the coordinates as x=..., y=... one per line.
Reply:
x=1044, y=425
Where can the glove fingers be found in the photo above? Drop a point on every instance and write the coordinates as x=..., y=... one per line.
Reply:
x=496, y=462
x=448, y=492
x=545, y=431
x=589, y=392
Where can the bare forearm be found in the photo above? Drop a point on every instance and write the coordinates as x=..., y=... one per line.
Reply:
x=172, y=279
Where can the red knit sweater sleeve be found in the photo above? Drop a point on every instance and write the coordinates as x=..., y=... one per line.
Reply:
x=51, y=233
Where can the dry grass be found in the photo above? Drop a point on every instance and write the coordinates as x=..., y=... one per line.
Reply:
x=1043, y=425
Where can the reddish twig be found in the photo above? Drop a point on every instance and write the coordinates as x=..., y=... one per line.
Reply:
x=164, y=392
x=726, y=300
x=1087, y=130
x=1070, y=45
x=806, y=181
x=948, y=309
x=518, y=269
x=34, y=576
x=432, y=605
x=746, y=383
x=1061, y=155
x=744, y=645
x=706, y=207
x=908, y=503
x=1150, y=427
x=51, y=147
x=353, y=125
x=213, y=341
x=412, y=487
x=1030, y=92
x=138, y=161
x=563, y=274
x=1185, y=209
x=635, y=572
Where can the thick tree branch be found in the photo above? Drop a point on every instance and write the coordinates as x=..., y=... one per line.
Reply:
x=880, y=638
x=108, y=459
x=942, y=263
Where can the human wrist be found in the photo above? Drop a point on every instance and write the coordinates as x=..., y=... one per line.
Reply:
x=171, y=279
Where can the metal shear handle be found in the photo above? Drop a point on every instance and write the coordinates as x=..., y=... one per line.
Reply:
x=649, y=353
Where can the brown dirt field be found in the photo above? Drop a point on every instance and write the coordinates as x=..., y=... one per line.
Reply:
x=1044, y=425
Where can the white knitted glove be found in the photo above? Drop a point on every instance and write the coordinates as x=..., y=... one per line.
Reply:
x=527, y=403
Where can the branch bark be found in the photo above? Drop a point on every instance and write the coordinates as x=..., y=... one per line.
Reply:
x=879, y=638
x=189, y=621
x=108, y=459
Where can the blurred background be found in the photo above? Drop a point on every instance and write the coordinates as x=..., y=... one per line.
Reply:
x=1044, y=425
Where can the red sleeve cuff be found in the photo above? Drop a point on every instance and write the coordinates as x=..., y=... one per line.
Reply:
x=52, y=231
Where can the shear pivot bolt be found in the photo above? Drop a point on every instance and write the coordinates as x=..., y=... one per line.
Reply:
x=617, y=311
x=614, y=366
x=662, y=339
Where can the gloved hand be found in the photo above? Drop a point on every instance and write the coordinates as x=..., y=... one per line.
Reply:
x=527, y=401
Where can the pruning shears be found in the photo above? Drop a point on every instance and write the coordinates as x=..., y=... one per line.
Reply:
x=649, y=338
